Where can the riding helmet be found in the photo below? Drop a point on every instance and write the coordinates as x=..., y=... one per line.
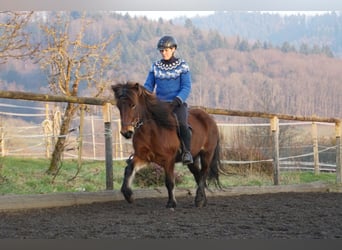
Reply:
x=167, y=42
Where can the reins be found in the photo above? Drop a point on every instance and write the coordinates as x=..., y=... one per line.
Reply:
x=138, y=121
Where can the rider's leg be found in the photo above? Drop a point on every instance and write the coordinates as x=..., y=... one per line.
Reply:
x=181, y=112
x=186, y=138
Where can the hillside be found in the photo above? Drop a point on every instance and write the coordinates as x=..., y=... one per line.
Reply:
x=227, y=71
x=295, y=29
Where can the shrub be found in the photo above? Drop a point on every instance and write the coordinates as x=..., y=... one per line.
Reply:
x=259, y=168
x=153, y=176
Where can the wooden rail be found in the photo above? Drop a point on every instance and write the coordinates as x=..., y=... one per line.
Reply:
x=267, y=115
x=102, y=101
x=274, y=117
x=54, y=98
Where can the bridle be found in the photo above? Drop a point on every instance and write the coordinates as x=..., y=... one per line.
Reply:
x=137, y=123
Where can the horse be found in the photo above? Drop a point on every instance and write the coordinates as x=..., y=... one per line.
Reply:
x=153, y=128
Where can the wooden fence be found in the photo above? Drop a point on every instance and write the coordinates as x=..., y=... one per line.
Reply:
x=106, y=104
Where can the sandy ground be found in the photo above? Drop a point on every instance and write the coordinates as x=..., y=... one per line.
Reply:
x=263, y=216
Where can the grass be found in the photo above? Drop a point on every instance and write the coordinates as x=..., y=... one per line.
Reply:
x=28, y=176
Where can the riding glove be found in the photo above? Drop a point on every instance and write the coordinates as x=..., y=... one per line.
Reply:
x=177, y=102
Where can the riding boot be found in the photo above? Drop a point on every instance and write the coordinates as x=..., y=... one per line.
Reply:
x=186, y=138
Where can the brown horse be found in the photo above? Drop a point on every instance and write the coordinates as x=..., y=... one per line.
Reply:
x=154, y=129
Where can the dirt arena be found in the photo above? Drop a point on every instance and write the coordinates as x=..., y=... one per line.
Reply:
x=262, y=216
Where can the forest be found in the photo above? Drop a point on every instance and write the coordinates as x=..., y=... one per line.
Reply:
x=231, y=71
x=297, y=29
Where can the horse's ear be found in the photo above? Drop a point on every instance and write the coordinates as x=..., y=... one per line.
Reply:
x=139, y=88
x=113, y=87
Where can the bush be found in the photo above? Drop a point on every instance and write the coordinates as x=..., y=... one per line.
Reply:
x=153, y=176
x=246, y=154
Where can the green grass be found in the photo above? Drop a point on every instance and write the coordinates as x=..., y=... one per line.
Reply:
x=285, y=178
x=28, y=176
x=307, y=177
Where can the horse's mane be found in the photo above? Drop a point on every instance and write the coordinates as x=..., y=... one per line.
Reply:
x=150, y=106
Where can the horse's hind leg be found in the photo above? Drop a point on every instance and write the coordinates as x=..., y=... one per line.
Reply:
x=201, y=198
x=199, y=175
x=195, y=169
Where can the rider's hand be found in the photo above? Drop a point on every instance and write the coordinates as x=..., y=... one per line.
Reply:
x=177, y=102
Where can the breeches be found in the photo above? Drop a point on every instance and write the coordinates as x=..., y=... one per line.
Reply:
x=182, y=114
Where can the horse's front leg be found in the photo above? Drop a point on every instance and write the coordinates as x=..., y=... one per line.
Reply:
x=128, y=178
x=170, y=185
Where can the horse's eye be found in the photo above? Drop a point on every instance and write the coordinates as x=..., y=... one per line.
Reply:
x=133, y=106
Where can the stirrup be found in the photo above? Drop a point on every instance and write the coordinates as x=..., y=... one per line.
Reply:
x=187, y=158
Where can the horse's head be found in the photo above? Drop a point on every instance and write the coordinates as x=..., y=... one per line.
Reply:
x=127, y=101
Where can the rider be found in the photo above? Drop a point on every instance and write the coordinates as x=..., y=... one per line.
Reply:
x=171, y=79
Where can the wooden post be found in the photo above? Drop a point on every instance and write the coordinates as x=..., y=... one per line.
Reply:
x=3, y=153
x=315, y=148
x=275, y=134
x=108, y=145
x=47, y=132
x=120, y=140
x=338, y=153
x=93, y=136
x=80, y=137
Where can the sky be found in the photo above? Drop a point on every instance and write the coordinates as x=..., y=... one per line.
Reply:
x=175, y=5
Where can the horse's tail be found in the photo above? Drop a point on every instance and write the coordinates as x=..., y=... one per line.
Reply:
x=215, y=166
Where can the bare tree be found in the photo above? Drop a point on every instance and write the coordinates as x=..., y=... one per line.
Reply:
x=71, y=62
x=14, y=40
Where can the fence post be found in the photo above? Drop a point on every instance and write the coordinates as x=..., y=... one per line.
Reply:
x=275, y=136
x=80, y=137
x=93, y=136
x=338, y=152
x=108, y=145
x=47, y=132
x=120, y=140
x=3, y=152
x=315, y=147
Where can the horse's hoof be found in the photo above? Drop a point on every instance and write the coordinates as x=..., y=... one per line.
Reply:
x=200, y=203
x=127, y=193
x=171, y=204
x=129, y=199
x=200, y=198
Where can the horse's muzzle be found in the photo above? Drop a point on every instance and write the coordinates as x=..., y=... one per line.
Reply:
x=127, y=134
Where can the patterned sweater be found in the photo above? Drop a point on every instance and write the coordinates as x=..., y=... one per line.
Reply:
x=169, y=79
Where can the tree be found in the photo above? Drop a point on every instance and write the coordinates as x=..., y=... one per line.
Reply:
x=286, y=47
x=327, y=51
x=241, y=45
x=71, y=63
x=14, y=41
x=188, y=24
x=304, y=49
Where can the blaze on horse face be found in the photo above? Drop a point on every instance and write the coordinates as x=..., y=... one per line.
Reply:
x=127, y=105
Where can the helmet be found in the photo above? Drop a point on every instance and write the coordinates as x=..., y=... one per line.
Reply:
x=167, y=42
